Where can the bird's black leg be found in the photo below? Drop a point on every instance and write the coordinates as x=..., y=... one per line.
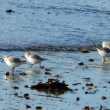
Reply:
x=39, y=66
x=13, y=68
x=103, y=59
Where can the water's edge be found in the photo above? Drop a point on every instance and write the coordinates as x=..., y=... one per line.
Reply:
x=51, y=48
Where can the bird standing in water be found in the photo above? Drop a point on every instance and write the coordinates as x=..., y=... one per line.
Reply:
x=33, y=59
x=12, y=61
x=104, y=53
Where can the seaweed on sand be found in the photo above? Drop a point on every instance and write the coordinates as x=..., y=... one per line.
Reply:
x=52, y=86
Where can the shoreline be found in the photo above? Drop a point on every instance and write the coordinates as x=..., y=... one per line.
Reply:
x=52, y=48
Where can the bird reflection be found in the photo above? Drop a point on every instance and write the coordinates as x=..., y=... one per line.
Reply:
x=12, y=78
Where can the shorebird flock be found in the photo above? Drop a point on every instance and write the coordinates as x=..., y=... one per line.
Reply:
x=32, y=58
x=104, y=51
x=13, y=62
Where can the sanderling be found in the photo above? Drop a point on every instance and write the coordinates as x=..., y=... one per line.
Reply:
x=12, y=61
x=33, y=59
x=104, y=53
x=106, y=44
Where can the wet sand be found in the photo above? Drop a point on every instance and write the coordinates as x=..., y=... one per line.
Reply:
x=89, y=80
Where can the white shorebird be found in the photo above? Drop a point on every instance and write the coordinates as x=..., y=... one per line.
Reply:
x=12, y=61
x=106, y=44
x=104, y=53
x=33, y=59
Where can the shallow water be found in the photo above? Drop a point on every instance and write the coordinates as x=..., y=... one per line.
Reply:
x=56, y=23
x=66, y=65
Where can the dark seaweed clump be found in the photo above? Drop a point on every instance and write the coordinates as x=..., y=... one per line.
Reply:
x=52, y=86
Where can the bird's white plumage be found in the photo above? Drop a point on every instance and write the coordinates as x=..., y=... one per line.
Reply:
x=106, y=44
x=32, y=58
x=12, y=61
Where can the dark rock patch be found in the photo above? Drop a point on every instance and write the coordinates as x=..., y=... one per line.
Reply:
x=52, y=86
x=9, y=11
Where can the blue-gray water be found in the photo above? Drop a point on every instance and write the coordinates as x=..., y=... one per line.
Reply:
x=53, y=22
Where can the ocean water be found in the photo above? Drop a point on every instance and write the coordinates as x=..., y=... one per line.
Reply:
x=53, y=23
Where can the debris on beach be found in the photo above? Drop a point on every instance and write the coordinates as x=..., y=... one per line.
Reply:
x=23, y=74
x=81, y=63
x=28, y=106
x=87, y=79
x=75, y=84
x=103, y=97
x=90, y=85
x=26, y=86
x=57, y=76
x=9, y=11
x=38, y=108
x=84, y=50
x=15, y=87
x=47, y=71
x=88, y=108
x=91, y=88
x=25, y=96
x=77, y=98
x=52, y=86
x=8, y=75
x=91, y=60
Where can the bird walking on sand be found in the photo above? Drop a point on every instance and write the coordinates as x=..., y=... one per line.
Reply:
x=104, y=53
x=33, y=59
x=12, y=61
x=106, y=44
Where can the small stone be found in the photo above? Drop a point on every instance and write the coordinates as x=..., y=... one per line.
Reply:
x=89, y=84
x=10, y=11
x=16, y=94
x=15, y=87
x=47, y=69
x=26, y=96
x=26, y=86
x=81, y=63
x=108, y=82
x=91, y=60
x=86, y=92
x=28, y=106
x=77, y=99
x=103, y=97
x=84, y=51
x=23, y=74
x=38, y=108
x=82, y=87
x=48, y=12
x=86, y=108
x=47, y=73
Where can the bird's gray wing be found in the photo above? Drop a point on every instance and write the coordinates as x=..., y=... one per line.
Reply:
x=15, y=60
x=37, y=57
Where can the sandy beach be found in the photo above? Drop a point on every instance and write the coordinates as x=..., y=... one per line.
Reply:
x=83, y=72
